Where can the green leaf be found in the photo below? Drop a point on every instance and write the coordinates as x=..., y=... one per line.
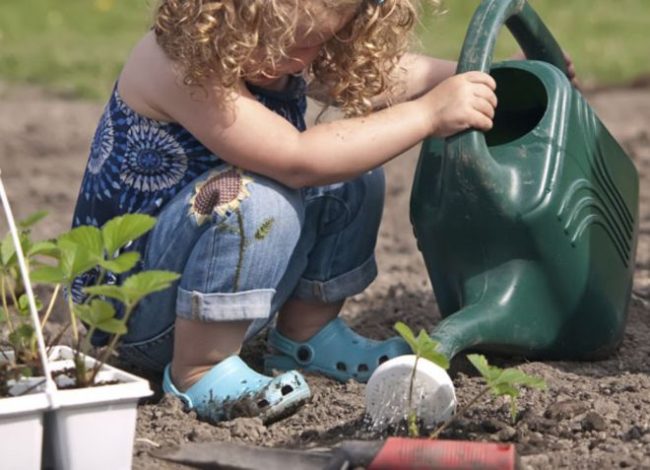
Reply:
x=505, y=382
x=118, y=231
x=535, y=382
x=101, y=310
x=435, y=356
x=95, y=313
x=515, y=376
x=3, y=315
x=23, y=304
x=113, y=326
x=46, y=248
x=83, y=312
x=31, y=219
x=87, y=238
x=405, y=332
x=22, y=334
x=75, y=259
x=480, y=363
x=505, y=389
x=7, y=249
x=147, y=282
x=101, y=315
x=488, y=372
x=112, y=292
x=428, y=349
x=47, y=275
x=122, y=263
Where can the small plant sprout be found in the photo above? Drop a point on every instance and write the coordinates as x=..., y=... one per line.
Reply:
x=14, y=306
x=499, y=382
x=88, y=248
x=423, y=346
x=505, y=382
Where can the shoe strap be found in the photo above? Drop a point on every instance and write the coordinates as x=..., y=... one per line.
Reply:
x=302, y=353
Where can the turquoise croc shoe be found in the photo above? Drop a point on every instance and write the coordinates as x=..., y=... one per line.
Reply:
x=335, y=351
x=231, y=389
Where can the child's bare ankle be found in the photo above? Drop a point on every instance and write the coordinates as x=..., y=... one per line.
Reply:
x=300, y=320
x=184, y=376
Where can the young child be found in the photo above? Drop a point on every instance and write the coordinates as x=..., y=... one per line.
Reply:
x=205, y=130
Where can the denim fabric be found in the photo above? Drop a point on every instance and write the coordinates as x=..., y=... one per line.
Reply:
x=253, y=252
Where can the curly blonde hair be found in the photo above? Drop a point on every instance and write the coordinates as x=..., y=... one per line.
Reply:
x=212, y=41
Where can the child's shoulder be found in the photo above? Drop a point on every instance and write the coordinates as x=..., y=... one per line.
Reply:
x=147, y=77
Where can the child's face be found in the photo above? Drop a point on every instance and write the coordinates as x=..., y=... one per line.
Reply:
x=307, y=46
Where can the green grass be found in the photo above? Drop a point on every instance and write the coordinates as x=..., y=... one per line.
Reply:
x=77, y=46
x=72, y=46
x=607, y=40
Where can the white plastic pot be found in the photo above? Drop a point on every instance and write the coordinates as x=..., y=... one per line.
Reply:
x=94, y=427
x=387, y=392
x=21, y=417
x=21, y=423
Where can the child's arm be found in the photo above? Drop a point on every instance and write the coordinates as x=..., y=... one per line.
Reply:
x=254, y=138
x=248, y=135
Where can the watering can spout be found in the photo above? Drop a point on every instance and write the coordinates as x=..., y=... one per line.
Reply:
x=511, y=313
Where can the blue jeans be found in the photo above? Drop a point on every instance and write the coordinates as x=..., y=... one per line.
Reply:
x=244, y=244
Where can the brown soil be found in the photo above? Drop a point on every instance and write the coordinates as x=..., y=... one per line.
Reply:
x=594, y=415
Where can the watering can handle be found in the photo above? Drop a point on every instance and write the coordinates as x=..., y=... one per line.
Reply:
x=531, y=34
x=525, y=25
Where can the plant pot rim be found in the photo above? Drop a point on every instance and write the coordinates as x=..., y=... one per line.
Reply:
x=24, y=404
x=130, y=387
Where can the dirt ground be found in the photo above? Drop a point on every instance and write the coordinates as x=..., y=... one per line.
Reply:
x=594, y=415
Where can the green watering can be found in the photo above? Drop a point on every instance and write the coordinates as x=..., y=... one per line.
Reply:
x=528, y=231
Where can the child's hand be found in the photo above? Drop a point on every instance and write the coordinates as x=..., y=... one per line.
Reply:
x=462, y=102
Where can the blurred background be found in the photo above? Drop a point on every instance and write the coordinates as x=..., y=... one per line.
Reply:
x=76, y=47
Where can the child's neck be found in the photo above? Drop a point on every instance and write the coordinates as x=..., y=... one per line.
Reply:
x=275, y=84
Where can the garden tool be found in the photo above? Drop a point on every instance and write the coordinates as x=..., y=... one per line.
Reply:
x=402, y=453
x=528, y=231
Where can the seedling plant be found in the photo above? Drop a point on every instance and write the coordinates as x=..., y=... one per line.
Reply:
x=78, y=251
x=499, y=382
x=17, y=330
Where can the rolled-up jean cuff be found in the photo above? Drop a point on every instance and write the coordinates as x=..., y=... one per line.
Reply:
x=248, y=305
x=340, y=287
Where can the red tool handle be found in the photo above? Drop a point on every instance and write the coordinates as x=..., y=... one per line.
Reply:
x=415, y=454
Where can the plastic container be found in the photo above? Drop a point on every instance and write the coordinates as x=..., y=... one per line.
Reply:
x=21, y=417
x=85, y=428
x=387, y=393
x=528, y=231
x=21, y=422
x=93, y=427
